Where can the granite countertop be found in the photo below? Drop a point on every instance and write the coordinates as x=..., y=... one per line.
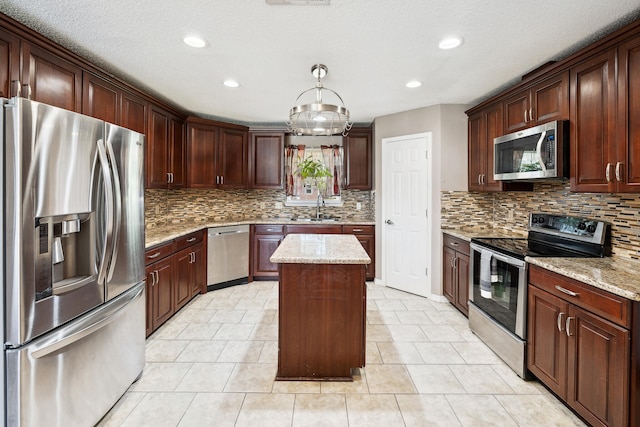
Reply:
x=320, y=249
x=158, y=235
x=618, y=276
x=466, y=233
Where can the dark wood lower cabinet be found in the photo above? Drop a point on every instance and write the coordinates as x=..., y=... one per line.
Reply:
x=321, y=325
x=176, y=272
x=579, y=346
x=455, y=272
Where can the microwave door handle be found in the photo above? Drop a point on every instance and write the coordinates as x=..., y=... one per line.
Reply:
x=539, y=151
x=108, y=189
x=117, y=211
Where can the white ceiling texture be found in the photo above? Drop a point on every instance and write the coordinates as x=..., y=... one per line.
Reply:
x=371, y=48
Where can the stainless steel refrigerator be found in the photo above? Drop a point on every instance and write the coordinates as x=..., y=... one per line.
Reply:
x=72, y=264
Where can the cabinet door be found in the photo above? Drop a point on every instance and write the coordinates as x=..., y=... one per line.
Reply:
x=183, y=278
x=162, y=302
x=9, y=64
x=598, y=363
x=50, y=79
x=357, y=159
x=134, y=113
x=493, y=129
x=547, y=339
x=266, y=160
x=201, y=156
x=592, y=115
x=263, y=247
x=177, y=153
x=100, y=99
x=550, y=99
x=149, y=285
x=368, y=243
x=199, y=282
x=476, y=152
x=628, y=128
x=156, y=157
x=516, y=112
x=448, y=276
x=232, y=158
x=462, y=282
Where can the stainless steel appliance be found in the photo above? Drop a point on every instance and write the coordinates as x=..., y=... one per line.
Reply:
x=72, y=264
x=498, y=278
x=538, y=152
x=227, y=256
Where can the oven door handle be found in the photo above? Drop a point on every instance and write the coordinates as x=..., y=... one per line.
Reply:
x=509, y=260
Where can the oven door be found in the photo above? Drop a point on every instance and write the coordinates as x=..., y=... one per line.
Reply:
x=506, y=300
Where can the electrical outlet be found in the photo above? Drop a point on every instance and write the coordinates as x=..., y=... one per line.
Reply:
x=262, y=205
x=510, y=215
x=358, y=206
x=157, y=209
x=278, y=205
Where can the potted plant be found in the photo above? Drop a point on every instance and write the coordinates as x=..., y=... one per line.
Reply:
x=313, y=172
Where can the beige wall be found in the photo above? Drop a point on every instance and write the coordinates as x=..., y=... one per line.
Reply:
x=448, y=126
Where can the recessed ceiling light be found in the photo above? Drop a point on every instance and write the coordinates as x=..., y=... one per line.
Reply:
x=230, y=83
x=413, y=84
x=450, y=42
x=194, y=41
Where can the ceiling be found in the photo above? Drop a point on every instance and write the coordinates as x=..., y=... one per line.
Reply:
x=371, y=48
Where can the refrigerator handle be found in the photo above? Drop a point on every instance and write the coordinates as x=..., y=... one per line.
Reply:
x=90, y=325
x=117, y=213
x=108, y=188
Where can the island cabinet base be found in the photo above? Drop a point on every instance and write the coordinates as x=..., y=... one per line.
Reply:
x=322, y=316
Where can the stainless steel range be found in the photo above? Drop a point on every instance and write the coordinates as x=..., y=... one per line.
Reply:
x=498, y=277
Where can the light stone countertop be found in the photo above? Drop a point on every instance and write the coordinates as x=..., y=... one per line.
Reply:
x=467, y=233
x=320, y=249
x=161, y=234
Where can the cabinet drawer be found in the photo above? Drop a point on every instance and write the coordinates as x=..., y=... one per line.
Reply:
x=188, y=240
x=158, y=252
x=314, y=229
x=455, y=243
x=358, y=229
x=600, y=302
x=268, y=229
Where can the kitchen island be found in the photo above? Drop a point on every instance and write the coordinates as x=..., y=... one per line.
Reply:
x=322, y=306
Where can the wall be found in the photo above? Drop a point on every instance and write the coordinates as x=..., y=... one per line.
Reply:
x=622, y=211
x=448, y=126
x=198, y=205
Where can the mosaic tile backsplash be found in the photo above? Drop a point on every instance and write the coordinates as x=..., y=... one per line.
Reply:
x=197, y=205
x=622, y=211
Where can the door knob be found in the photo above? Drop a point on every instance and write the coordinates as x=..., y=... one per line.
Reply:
x=389, y=222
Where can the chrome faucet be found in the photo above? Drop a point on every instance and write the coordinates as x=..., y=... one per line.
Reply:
x=318, y=205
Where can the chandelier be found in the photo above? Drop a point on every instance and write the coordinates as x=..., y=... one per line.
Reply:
x=317, y=117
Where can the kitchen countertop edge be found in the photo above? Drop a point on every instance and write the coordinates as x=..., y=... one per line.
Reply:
x=165, y=233
x=320, y=249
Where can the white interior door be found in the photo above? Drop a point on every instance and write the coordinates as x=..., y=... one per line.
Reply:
x=405, y=201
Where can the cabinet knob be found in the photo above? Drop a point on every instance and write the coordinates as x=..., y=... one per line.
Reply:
x=618, y=172
x=560, y=321
x=152, y=256
x=568, y=326
x=607, y=172
x=193, y=239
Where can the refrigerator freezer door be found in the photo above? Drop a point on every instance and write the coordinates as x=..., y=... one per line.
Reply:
x=74, y=375
x=125, y=151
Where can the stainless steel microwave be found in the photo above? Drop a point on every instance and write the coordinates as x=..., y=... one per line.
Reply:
x=538, y=152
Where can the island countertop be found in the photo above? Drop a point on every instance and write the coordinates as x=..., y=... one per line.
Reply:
x=320, y=249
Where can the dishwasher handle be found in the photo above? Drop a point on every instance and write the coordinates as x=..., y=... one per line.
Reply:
x=223, y=233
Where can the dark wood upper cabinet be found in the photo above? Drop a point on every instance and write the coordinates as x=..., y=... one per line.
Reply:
x=177, y=153
x=484, y=126
x=217, y=154
x=545, y=101
x=49, y=79
x=165, y=161
x=134, y=112
x=9, y=64
x=592, y=131
x=266, y=160
x=628, y=116
x=358, y=149
x=100, y=99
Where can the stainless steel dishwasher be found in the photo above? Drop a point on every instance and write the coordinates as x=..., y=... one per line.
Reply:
x=227, y=256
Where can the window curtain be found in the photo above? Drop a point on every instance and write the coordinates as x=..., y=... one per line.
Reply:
x=294, y=154
x=332, y=158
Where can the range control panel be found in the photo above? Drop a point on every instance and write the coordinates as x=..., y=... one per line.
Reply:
x=583, y=229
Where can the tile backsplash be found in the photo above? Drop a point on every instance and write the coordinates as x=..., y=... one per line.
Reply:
x=205, y=205
x=622, y=211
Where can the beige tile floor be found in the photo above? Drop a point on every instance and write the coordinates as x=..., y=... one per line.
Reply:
x=214, y=362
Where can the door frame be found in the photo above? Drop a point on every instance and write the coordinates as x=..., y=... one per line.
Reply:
x=428, y=136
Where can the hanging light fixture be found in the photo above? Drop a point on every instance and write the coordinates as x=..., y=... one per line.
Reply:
x=316, y=117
